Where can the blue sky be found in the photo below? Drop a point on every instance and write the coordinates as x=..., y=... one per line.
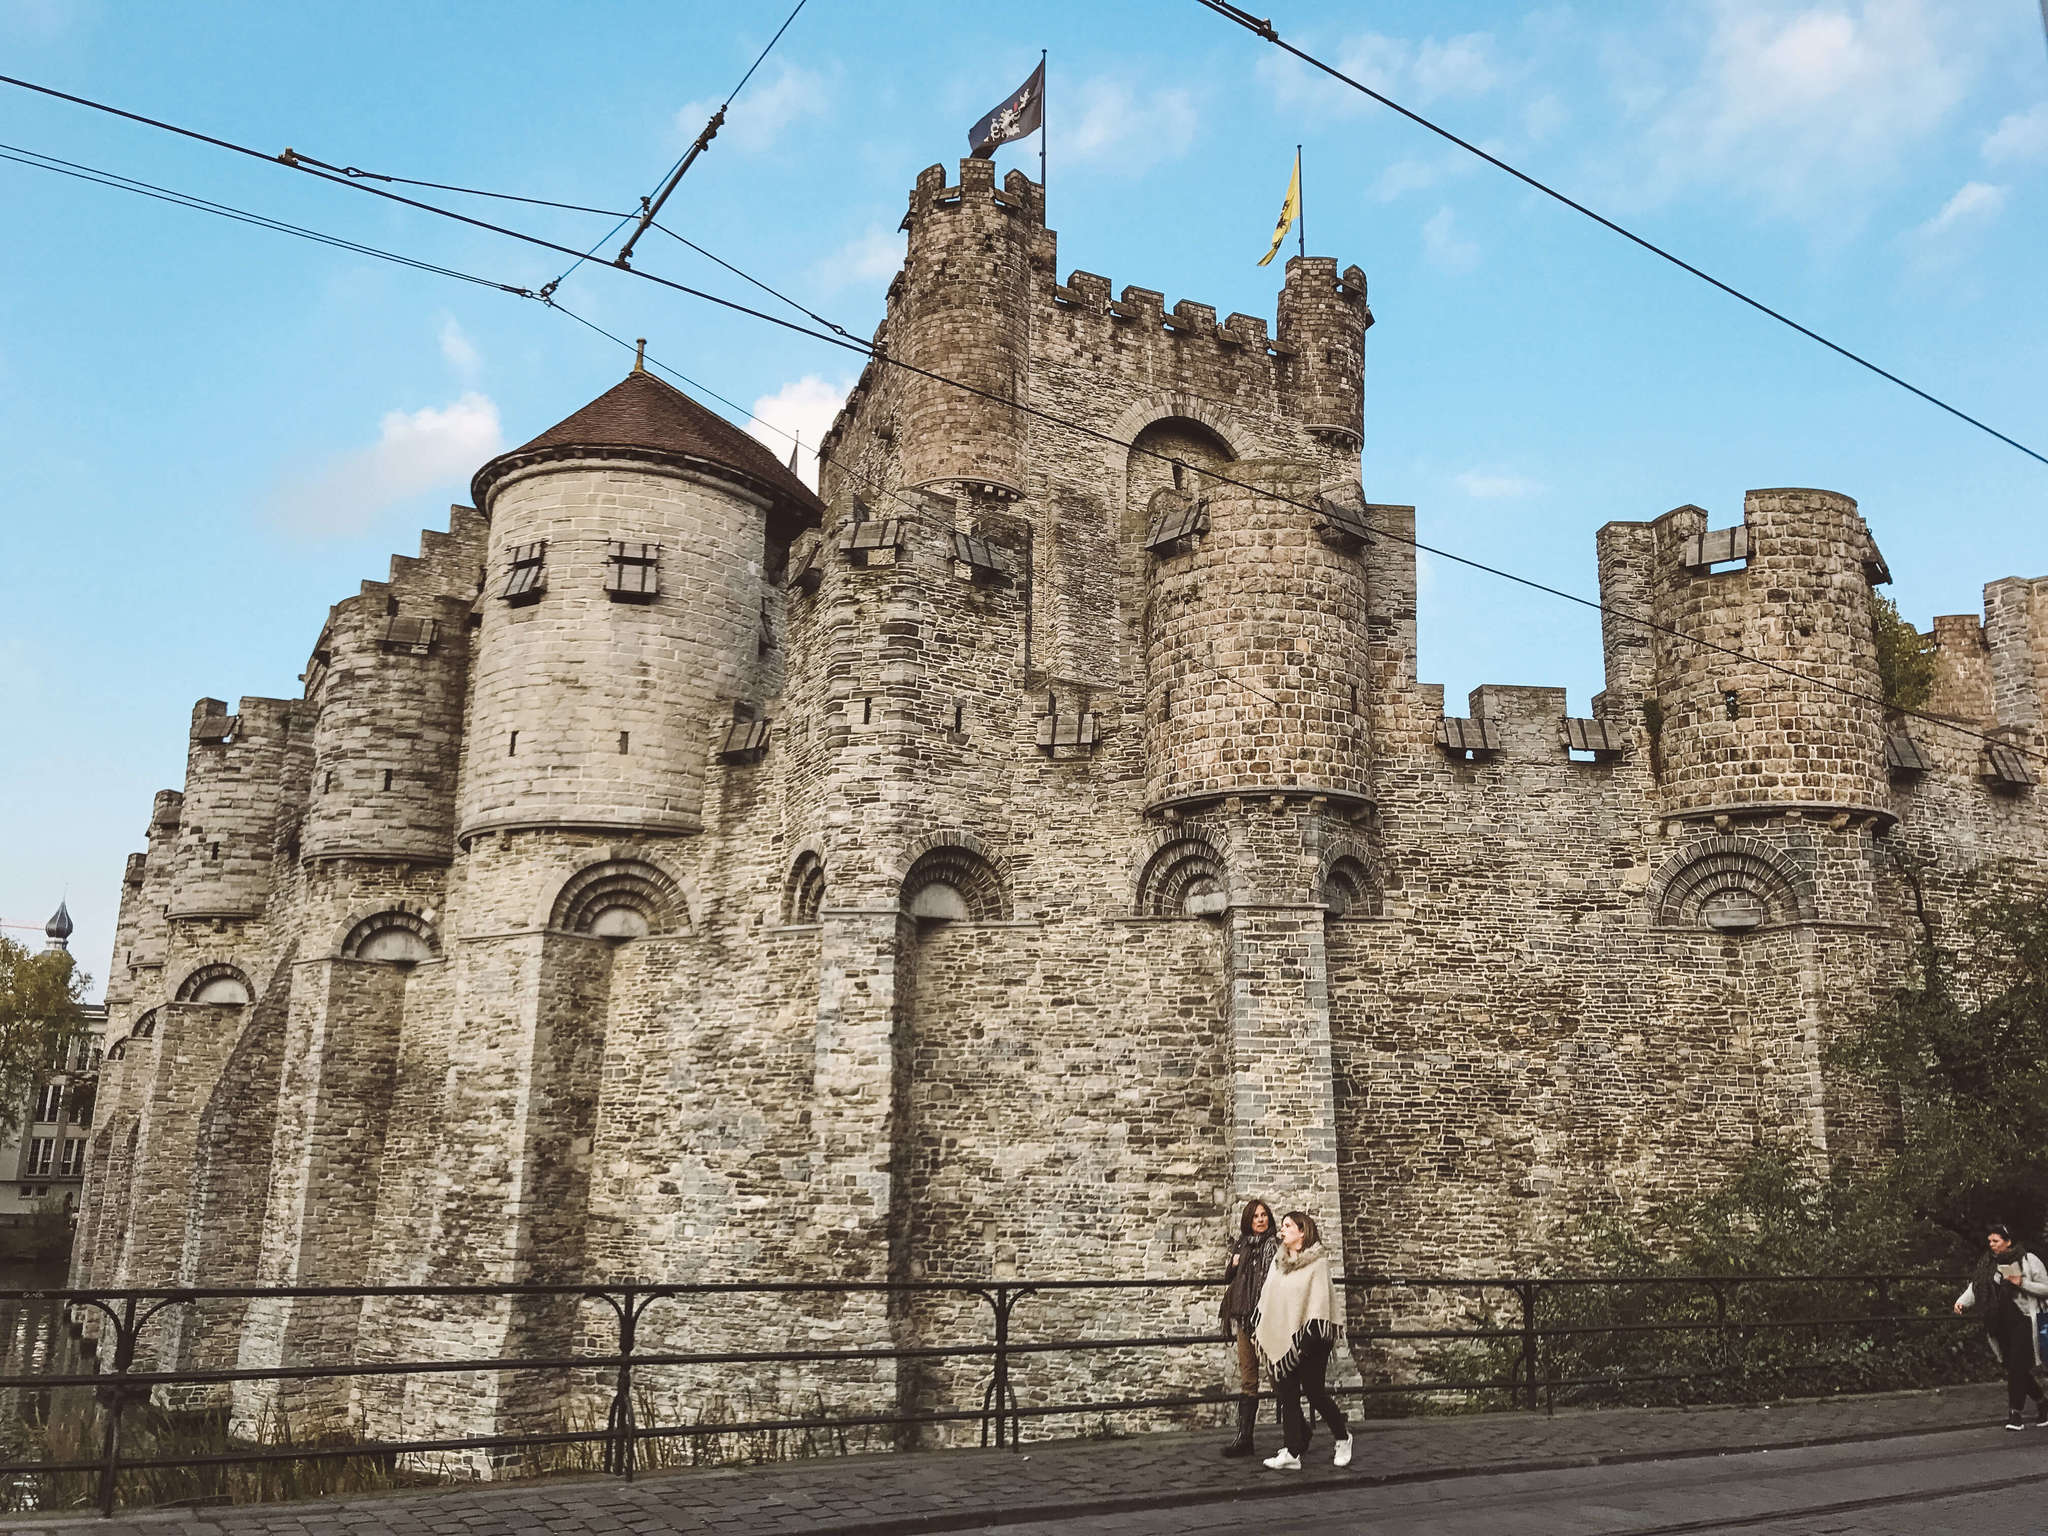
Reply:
x=208, y=433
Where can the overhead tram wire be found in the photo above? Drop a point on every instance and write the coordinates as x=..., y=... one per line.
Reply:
x=649, y=208
x=36, y=160
x=880, y=355
x=1262, y=27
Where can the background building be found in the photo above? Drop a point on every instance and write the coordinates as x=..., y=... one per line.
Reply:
x=42, y=1166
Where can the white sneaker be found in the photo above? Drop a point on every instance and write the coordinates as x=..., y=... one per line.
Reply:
x=1284, y=1460
x=1343, y=1456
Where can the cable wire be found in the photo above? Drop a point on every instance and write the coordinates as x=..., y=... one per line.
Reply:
x=882, y=356
x=1264, y=29
x=36, y=160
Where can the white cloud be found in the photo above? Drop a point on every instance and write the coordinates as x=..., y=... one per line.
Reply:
x=458, y=351
x=870, y=257
x=1443, y=245
x=1483, y=486
x=1975, y=203
x=1543, y=117
x=805, y=407
x=1461, y=67
x=1424, y=71
x=414, y=452
x=2021, y=137
x=1112, y=125
x=1807, y=108
x=45, y=20
x=758, y=119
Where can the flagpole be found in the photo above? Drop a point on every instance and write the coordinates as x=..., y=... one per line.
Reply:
x=1301, y=202
x=1042, y=135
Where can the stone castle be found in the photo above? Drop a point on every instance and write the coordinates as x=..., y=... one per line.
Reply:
x=1002, y=862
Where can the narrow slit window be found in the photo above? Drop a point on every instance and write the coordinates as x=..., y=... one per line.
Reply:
x=527, y=577
x=387, y=778
x=512, y=746
x=632, y=572
x=625, y=742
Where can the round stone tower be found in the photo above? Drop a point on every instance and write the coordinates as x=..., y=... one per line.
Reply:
x=962, y=312
x=1790, y=586
x=621, y=613
x=387, y=738
x=1255, y=649
x=1323, y=319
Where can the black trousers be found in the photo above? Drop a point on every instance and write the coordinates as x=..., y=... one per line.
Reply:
x=2015, y=1338
x=1307, y=1380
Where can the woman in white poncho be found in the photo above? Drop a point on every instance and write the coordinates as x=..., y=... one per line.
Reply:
x=1296, y=1331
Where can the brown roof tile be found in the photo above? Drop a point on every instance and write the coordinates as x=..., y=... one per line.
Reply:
x=642, y=411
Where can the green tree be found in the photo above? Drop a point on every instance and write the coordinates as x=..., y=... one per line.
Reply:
x=1905, y=657
x=1963, y=1052
x=39, y=1016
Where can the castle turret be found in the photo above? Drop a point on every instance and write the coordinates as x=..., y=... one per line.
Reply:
x=1323, y=319
x=621, y=611
x=963, y=312
x=388, y=674
x=1780, y=706
x=234, y=773
x=1257, y=655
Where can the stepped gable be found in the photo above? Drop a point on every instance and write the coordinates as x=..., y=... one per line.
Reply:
x=643, y=413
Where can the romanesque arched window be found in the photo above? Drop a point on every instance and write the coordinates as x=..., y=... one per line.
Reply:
x=1350, y=888
x=1731, y=885
x=1184, y=879
x=805, y=894
x=219, y=984
x=395, y=938
x=621, y=899
x=952, y=882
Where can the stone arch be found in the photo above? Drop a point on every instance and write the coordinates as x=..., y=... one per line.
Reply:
x=621, y=899
x=144, y=1026
x=394, y=936
x=1186, y=876
x=1351, y=884
x=804, y=892
x=951, y=875
x=1731, y=884
x=216, y=983
x=1164, y=406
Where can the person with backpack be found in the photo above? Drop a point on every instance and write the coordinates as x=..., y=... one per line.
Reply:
x=2010, y=1291
x=1251, y=1255
x=1296, y=1330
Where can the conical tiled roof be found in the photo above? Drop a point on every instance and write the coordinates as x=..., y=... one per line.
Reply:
x=642, y=413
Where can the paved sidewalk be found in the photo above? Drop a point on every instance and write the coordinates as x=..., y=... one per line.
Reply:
x=882, y=1495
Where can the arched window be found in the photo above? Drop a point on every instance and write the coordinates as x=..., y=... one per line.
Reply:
x=1349, y=889
x=1731, y=885
x=806, y=891
x=1184, y=879
x=393, y=938
x=620, y=900
x=953, y=883
x=220, y=984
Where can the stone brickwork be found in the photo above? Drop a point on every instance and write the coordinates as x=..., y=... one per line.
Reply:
x=1000, y=865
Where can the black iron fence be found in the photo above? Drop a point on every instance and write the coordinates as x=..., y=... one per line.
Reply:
x=1441, y=1343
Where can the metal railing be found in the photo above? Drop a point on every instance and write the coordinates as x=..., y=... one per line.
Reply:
x=1530, y=1337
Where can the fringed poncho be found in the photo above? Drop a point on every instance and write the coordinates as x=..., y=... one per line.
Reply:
x=1297, y=1304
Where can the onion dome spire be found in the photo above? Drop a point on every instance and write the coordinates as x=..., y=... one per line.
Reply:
x=60, y=927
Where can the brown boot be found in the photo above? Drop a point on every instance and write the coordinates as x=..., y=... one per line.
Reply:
x=1247, y=1412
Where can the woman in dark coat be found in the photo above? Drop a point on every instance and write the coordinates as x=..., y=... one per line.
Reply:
x=2009, y=1291
x=1251, y=1252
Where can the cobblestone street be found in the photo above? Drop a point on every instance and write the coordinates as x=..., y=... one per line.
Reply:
x=1915, y=1459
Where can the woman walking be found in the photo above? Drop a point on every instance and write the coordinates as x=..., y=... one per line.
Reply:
x=2009, y=1291
x=1251, y=1254
x=1296, y=1330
